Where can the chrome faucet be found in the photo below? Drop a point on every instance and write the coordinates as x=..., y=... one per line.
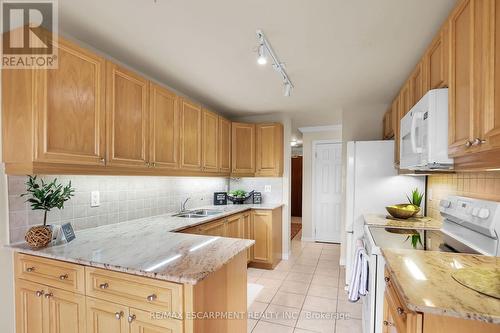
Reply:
x=183, y=205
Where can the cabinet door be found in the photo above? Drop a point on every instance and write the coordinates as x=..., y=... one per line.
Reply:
x=106, y=317
x=416, y=85
x=262, y=224
x=210, y=129
x=405, y=99
x=387, y=125
x=461, y=76
x=145, y=322
x=243, y=148
x=234, y=226
x=217, y=228
x=224, y=145
x=396, y=124
x=269, y=150
x=30, y=304
x=389, y=325
x=70, y=108
x=248, y=233
x=438, y=60
x=66, y=311
x=164, y=128
x=127, y=97
x=190, y=135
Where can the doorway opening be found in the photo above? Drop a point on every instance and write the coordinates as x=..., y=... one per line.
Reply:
x=296, y=193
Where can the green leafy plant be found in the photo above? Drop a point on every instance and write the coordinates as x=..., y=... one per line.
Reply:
x=415, y=240
x=416, y=197
x=45, y=196
x=238, y=193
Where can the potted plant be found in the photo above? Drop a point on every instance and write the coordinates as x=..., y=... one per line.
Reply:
x=44, y=196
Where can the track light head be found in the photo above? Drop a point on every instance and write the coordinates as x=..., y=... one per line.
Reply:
x=288, y=89
x=262, y=59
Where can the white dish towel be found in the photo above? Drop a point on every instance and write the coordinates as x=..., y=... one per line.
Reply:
x=359, y=278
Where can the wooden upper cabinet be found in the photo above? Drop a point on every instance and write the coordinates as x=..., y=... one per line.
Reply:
x=191, y=134
x=210, y=130
x=388, y=130
x=127, y=96
x=461, y=89
x=417, y=85
x=269, y=150
x=164, y=128
x=405, y=99
x=437, y=59
x=70, y=108
x=224, y=145
x=243, y=149
x=396, y=124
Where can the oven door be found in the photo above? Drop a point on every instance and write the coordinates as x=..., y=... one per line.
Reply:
x=413, y=141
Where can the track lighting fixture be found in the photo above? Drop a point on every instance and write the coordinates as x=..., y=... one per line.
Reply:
x=266, y=50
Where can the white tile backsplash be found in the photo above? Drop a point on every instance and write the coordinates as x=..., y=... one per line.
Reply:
x=122, y=199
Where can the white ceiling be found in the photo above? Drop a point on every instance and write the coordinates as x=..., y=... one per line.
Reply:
x=338, y=53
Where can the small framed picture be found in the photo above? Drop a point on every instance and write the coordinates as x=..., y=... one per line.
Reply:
x=220, y=198
x=69, y=233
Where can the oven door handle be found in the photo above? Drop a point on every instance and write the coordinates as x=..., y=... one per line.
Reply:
x=416, y=116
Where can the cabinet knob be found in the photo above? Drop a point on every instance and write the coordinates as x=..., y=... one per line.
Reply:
x=387, y=279
x=102, y=160
x=400, y=311
x=468, y=144
x=49, y=295
x=30, y=269
x=478, y=141
x=39, y=293
x=63, y=277
x=153, y=164
x=147, y=164
x=152, y=297
x=388, y=323
x=119, y=315
x=131, y=318
x=104, y=285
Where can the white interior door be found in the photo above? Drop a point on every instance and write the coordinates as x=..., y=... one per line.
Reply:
x=327, y=191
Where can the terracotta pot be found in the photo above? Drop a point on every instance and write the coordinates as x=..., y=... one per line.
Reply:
x=38, y=236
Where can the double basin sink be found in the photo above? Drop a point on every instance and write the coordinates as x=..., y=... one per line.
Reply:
x=198, y=213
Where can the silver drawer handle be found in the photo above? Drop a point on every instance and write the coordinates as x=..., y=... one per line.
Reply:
x=478, y=141
x=63, y=277
x=131, y=318
x=30, y=269
x=49, y=295
x=152, y=297
x=400, y=311
x=104, y=285
x=39, y=293
x=119, y=315
x=388, y=323
x=468, y=143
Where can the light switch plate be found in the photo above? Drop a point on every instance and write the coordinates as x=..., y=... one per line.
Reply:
x=267, y=188
x=94, y=199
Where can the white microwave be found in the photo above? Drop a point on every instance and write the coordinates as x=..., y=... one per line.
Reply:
x=424, y=134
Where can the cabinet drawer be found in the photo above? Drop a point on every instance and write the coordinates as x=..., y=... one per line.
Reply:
x=134, y=291
x=53, y=273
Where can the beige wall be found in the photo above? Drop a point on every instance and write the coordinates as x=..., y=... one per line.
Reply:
x=307, y=180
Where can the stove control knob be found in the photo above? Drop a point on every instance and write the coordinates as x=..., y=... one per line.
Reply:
x=484, y=213
x=475, y=211
x=445, y=203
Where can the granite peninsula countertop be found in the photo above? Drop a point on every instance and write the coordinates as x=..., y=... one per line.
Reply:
x=424, y=281
x=151, y=247
x=380, y=220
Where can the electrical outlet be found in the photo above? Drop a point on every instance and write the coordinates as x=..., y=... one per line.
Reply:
x=94, y=199
x=267, y=188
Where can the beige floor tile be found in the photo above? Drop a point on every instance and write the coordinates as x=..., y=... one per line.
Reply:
x=284, y=265
x=300, y=330
x=294, y=287
x=266, y=294
x=251, y=324
x=252, y=279
x=320, y=304
x=256, y=310
x=276, y=275
x=265, y=327
x=255, y=272
x=299, y=277
x=322, y=291
x=288, y=299
x=316, y=321
x=353, y=309
x=303, y=268
x=272, y=283
x=325, y=280
x=348, y=326
x=307, y=261
x=342, y=293
x=282, y=315
x=328, y=271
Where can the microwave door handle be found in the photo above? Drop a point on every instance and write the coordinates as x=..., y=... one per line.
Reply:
x=416, y=150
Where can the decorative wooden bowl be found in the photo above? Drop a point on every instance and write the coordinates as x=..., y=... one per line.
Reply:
x=39, y=236
x=403, y=211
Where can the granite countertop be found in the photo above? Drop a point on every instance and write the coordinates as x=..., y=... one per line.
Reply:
x=424, y=281
x=151, y=247
x=380, y=220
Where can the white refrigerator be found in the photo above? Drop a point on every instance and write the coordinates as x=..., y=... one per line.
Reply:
x=372, y=183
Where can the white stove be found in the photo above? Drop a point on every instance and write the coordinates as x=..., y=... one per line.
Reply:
x=469, y=226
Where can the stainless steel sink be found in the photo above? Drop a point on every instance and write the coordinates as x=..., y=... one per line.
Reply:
x=198, y=213
x=189, y=215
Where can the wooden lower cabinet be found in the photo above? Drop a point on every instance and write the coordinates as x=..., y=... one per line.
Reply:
x=234, y=226
x=103, y=317
x=248, y=233
x=399, y=319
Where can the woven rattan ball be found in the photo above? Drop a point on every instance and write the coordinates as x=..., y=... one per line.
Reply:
x=39, y=236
